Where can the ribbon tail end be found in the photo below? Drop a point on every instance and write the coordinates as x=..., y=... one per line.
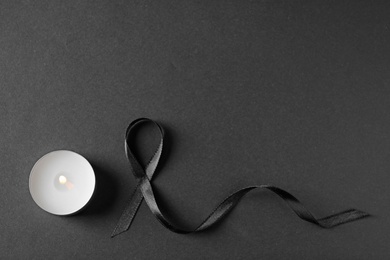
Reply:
x=117, y=232
x=342, y=218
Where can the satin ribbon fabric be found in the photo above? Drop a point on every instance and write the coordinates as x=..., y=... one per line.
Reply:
x=144, y=190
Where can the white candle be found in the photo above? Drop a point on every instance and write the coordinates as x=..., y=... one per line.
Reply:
x=62, y=182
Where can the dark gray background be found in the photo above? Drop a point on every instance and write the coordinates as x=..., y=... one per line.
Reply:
x=290, y=93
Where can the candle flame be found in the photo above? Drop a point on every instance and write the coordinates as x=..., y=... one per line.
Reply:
x=62, y=179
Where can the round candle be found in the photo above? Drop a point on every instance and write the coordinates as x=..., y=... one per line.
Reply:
x=62, y=182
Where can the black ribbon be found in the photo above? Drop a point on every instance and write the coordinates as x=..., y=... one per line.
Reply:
x=144, y=190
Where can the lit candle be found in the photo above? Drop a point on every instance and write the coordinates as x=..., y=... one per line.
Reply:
x=62, y=182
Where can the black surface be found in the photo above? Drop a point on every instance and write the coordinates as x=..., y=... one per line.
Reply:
x=289, y=93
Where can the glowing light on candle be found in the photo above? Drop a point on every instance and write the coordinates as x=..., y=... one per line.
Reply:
x=62, y=179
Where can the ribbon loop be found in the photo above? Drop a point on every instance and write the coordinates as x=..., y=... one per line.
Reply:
x=150, y=168
x=144, y=190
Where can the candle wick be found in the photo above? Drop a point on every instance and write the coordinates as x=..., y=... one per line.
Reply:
x=69, y=185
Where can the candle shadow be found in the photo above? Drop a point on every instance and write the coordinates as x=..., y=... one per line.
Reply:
x=105, y=192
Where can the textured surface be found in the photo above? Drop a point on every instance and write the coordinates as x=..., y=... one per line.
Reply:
x=294, y=94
